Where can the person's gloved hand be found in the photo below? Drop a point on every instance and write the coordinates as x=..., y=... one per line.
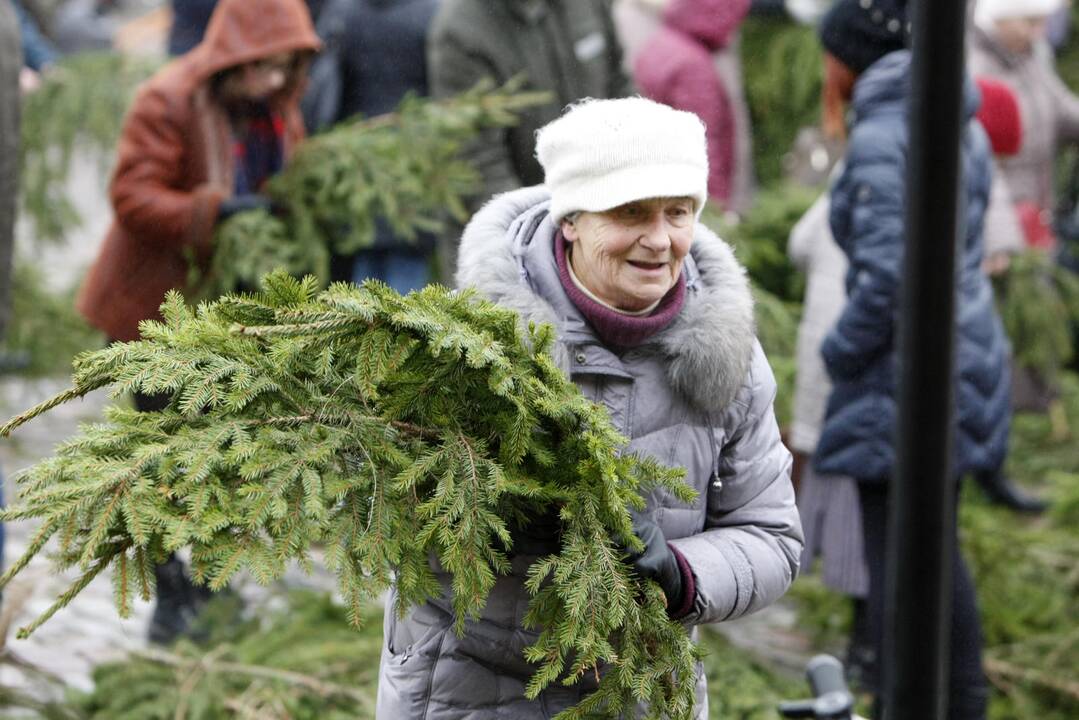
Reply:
x=658, y=562
x=242, y=203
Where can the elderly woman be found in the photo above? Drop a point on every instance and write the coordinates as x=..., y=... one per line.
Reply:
x=654, y=321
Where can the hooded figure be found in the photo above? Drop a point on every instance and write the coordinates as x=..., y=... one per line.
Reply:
x=678, y=67
x=654, y=322
x=201, y=138
x=190, y=145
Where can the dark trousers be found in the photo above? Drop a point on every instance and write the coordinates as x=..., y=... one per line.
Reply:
x=967, y=688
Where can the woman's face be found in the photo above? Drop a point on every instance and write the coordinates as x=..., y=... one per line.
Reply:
x=631, y=255
x=1018, y=35
x=259, y=80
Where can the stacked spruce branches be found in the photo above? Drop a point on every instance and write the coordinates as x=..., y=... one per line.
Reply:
x=403, y=168
x=391, y=429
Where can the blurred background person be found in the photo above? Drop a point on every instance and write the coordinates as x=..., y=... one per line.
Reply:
x=201, y=138
x=698, y=46
x=375, y=54
x=679, y=66
x=868, y=38
x=828, y=505
x=1008, y=43
x=999, y=115
x=566, y=47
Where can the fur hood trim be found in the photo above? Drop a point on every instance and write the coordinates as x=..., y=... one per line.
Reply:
x=710, y=344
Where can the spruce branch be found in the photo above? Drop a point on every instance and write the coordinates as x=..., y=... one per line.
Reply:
x=43, y=407
x=396, y=431
x=402, y=169
x=210, y=663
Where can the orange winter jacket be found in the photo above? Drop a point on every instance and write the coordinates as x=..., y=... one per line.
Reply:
x=175, y=166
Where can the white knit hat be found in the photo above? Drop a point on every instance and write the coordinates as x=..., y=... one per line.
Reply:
x=604, y=153
x=987, y=12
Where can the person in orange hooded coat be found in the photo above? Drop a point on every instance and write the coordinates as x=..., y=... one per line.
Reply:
x=181, y=165
x=201, y=138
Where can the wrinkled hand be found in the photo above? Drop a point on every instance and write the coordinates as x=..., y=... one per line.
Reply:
x=242, y=203
x=657, y=561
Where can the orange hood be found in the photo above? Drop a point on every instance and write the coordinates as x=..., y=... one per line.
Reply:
x=242, y=31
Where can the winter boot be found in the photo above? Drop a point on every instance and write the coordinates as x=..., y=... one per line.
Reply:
x=1002, y=491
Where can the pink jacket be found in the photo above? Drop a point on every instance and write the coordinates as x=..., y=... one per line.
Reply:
x=677, y=67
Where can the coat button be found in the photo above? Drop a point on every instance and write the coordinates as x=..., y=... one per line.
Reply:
x=580, y=358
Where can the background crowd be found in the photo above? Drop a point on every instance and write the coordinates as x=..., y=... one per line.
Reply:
x=250, y=80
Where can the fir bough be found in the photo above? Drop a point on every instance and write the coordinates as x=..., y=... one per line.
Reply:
x=402, y=168
x=390, y=429
x=80, y=103
x=1039, y=305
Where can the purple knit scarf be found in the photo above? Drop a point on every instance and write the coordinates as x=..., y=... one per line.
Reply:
x=613, y=328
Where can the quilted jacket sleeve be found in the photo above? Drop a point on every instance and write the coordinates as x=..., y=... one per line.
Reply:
x=867, y=221
x=747, y=555
x=149, y=172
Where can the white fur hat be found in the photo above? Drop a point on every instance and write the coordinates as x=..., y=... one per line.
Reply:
x=987, y=12
x=604, y=153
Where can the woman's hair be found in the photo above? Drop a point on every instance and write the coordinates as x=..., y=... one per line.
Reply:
x=835, y=95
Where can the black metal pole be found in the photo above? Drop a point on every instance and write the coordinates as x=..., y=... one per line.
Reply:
x=918, y=579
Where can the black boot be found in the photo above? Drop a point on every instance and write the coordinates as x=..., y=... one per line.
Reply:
x=1000, y=490
x=862, y=667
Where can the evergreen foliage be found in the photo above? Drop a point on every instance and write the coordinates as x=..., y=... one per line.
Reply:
x=393, y=429
x=80, y=103
x=44, y=324
x=403, y=167
x=1039, y=304
x=760, y=239
x=783, y=74
x=296, y=661
x=300, y=661
x=1027, y=576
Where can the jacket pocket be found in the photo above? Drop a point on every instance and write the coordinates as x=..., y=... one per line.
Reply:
x=409, y=657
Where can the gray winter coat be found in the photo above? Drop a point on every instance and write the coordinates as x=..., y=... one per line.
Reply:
x=698, y=395
x=10, y=65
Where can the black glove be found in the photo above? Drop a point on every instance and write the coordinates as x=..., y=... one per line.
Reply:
x=657, y=561
x=242, y=203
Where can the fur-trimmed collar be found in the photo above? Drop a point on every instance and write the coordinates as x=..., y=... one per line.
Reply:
x=709, y=346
